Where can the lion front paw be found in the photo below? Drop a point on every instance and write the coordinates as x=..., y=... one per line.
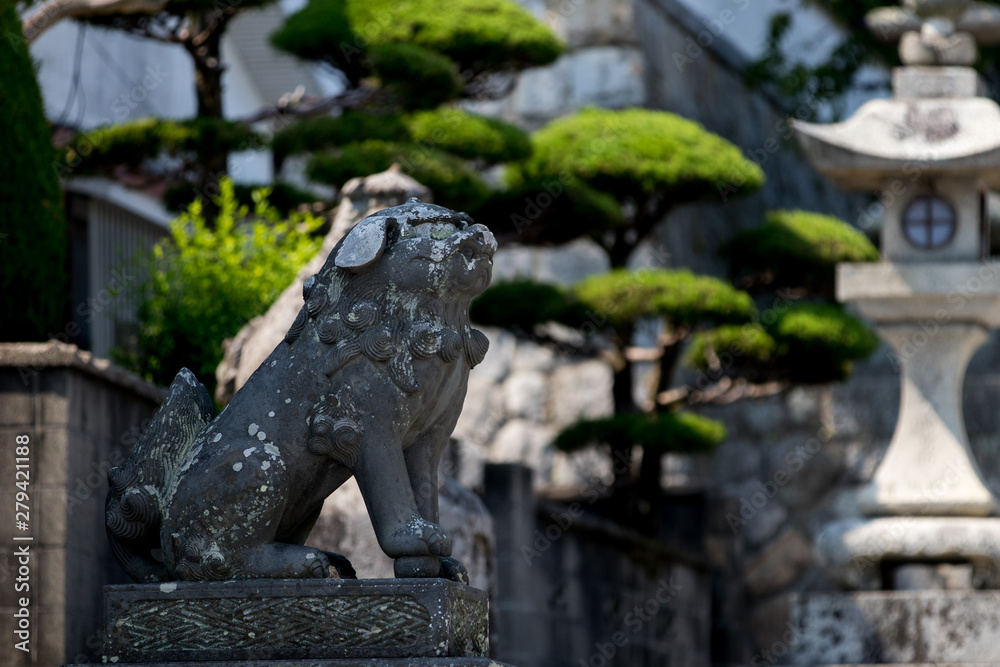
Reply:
x=418, y=537
x=452, y=568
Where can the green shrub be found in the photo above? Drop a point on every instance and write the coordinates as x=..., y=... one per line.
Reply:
x=638, y=154
x=521, y=304
x=821, y=341
x=453, y=182
x=33, y=280
x=798, y=248
x=446, y=129
x=321, y=31
x=325, y=132
x=207, y=283
x=682, y=298
x=469, y=136
x=659, y=432
x=478, y=35
x=548, y=212
x=416, y=77
x=133, y=142
x=742, y=346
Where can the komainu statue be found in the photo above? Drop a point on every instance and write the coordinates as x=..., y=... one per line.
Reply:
x=369, y=382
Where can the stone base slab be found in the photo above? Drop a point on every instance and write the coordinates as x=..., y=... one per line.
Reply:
x=851, y=551
x=274, y=621
x=896, y=627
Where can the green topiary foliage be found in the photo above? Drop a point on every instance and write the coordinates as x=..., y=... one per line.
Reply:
x=478, y=35
x=133, y=142
x=447, y=129
x=638, y=154
x=521, y=304
x=208, y=136
x=321, y=31
x=33, y=279
x=321, y=133
x=453, y=182
x=660, y=432
x=681, y=297
x=798, y=248
x=469, y=136
x=820, y=341
x=416, y=77
x=548, y=212
x=732, y=348
x=207, y=283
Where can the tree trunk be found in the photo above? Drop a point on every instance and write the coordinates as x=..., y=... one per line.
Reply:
x=205, y=48
x=621, y=451
x=208, y=72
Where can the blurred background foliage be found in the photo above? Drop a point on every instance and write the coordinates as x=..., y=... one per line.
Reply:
x=207, y=282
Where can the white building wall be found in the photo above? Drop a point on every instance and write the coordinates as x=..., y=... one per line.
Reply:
x=120, y=77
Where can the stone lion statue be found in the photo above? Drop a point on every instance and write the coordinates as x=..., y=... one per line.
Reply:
x=369, y=381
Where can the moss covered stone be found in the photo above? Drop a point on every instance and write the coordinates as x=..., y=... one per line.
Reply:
x=33, y=280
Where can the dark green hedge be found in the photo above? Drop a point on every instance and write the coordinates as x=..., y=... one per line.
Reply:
x=521, y=304
x=798, y=249
x=132, y=142
x=34, y=283
x=658, y=432
x=543, y=212
x=454, y=183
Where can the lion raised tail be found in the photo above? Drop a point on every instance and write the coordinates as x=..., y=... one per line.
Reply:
x=139, y=488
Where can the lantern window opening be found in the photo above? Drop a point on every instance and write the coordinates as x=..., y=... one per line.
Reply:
x=929, y=222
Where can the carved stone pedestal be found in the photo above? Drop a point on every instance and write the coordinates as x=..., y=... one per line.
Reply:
x=293, y=622
x=896, y=627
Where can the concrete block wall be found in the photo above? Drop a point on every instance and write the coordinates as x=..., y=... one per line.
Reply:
x=576, y=590
x=81, y=417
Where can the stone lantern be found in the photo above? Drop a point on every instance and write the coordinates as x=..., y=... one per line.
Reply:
x=927, y=532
